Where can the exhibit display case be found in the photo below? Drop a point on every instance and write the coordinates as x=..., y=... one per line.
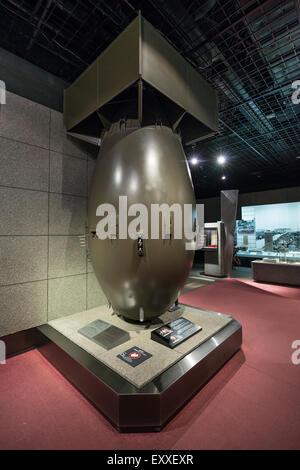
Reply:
x=211, y=239
x=269, y=231
x=214, y=249
x=276, y=271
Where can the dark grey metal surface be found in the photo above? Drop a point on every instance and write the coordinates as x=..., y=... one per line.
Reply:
x=148, y=166
x=229, y=201
x=141, y=54
x=116, y=69
x=168, y=72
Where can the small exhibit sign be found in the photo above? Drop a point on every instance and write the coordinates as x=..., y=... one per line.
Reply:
x=175, y=332
x=134, y=356
x=106, y=335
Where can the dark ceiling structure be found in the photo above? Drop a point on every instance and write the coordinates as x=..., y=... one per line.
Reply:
x=249, y=50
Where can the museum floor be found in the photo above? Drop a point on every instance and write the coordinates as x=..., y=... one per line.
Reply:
x=253, y=402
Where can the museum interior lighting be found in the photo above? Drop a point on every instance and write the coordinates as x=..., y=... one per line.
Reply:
x=221, y=159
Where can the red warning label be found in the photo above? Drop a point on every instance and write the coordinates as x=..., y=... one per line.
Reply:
x=134, y=355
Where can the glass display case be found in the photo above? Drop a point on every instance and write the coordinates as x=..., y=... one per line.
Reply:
x=214, y=249
x=211, y=239
x=269, y=231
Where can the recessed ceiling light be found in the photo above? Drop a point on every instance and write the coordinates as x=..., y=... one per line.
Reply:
x=221, y=159
x=194, y=161
x=223, y=178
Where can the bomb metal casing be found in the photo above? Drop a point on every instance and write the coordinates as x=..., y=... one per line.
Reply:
x=148, y=165
x=140, y=76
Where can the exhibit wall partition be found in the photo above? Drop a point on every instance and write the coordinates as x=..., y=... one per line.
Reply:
x=45, y=177
x=257, y=198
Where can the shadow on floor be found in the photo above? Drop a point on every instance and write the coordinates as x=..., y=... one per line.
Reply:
x=198, y=279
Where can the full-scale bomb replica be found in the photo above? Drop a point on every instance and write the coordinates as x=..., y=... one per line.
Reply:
x=143, y=101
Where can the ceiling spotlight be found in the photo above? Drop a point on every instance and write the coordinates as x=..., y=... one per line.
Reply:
x=194, y=161
x=223, y=178
x=221, y=159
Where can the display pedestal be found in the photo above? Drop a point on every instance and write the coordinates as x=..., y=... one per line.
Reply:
x=277, y=273
x=152, y=402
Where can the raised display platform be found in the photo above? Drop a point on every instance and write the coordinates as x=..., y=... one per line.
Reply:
x=145, y=397
x=276, y=272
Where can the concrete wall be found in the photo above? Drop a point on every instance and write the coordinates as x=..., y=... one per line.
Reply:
x=44, y=182
x=212, y=210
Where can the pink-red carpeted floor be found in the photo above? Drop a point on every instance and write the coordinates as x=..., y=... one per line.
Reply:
x=252, y=403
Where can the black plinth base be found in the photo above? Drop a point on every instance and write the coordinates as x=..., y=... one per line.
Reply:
x=131, y=409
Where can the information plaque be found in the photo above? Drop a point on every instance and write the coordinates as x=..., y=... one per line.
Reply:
x=106, y=335
x=175, y=332
x=134, y=356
